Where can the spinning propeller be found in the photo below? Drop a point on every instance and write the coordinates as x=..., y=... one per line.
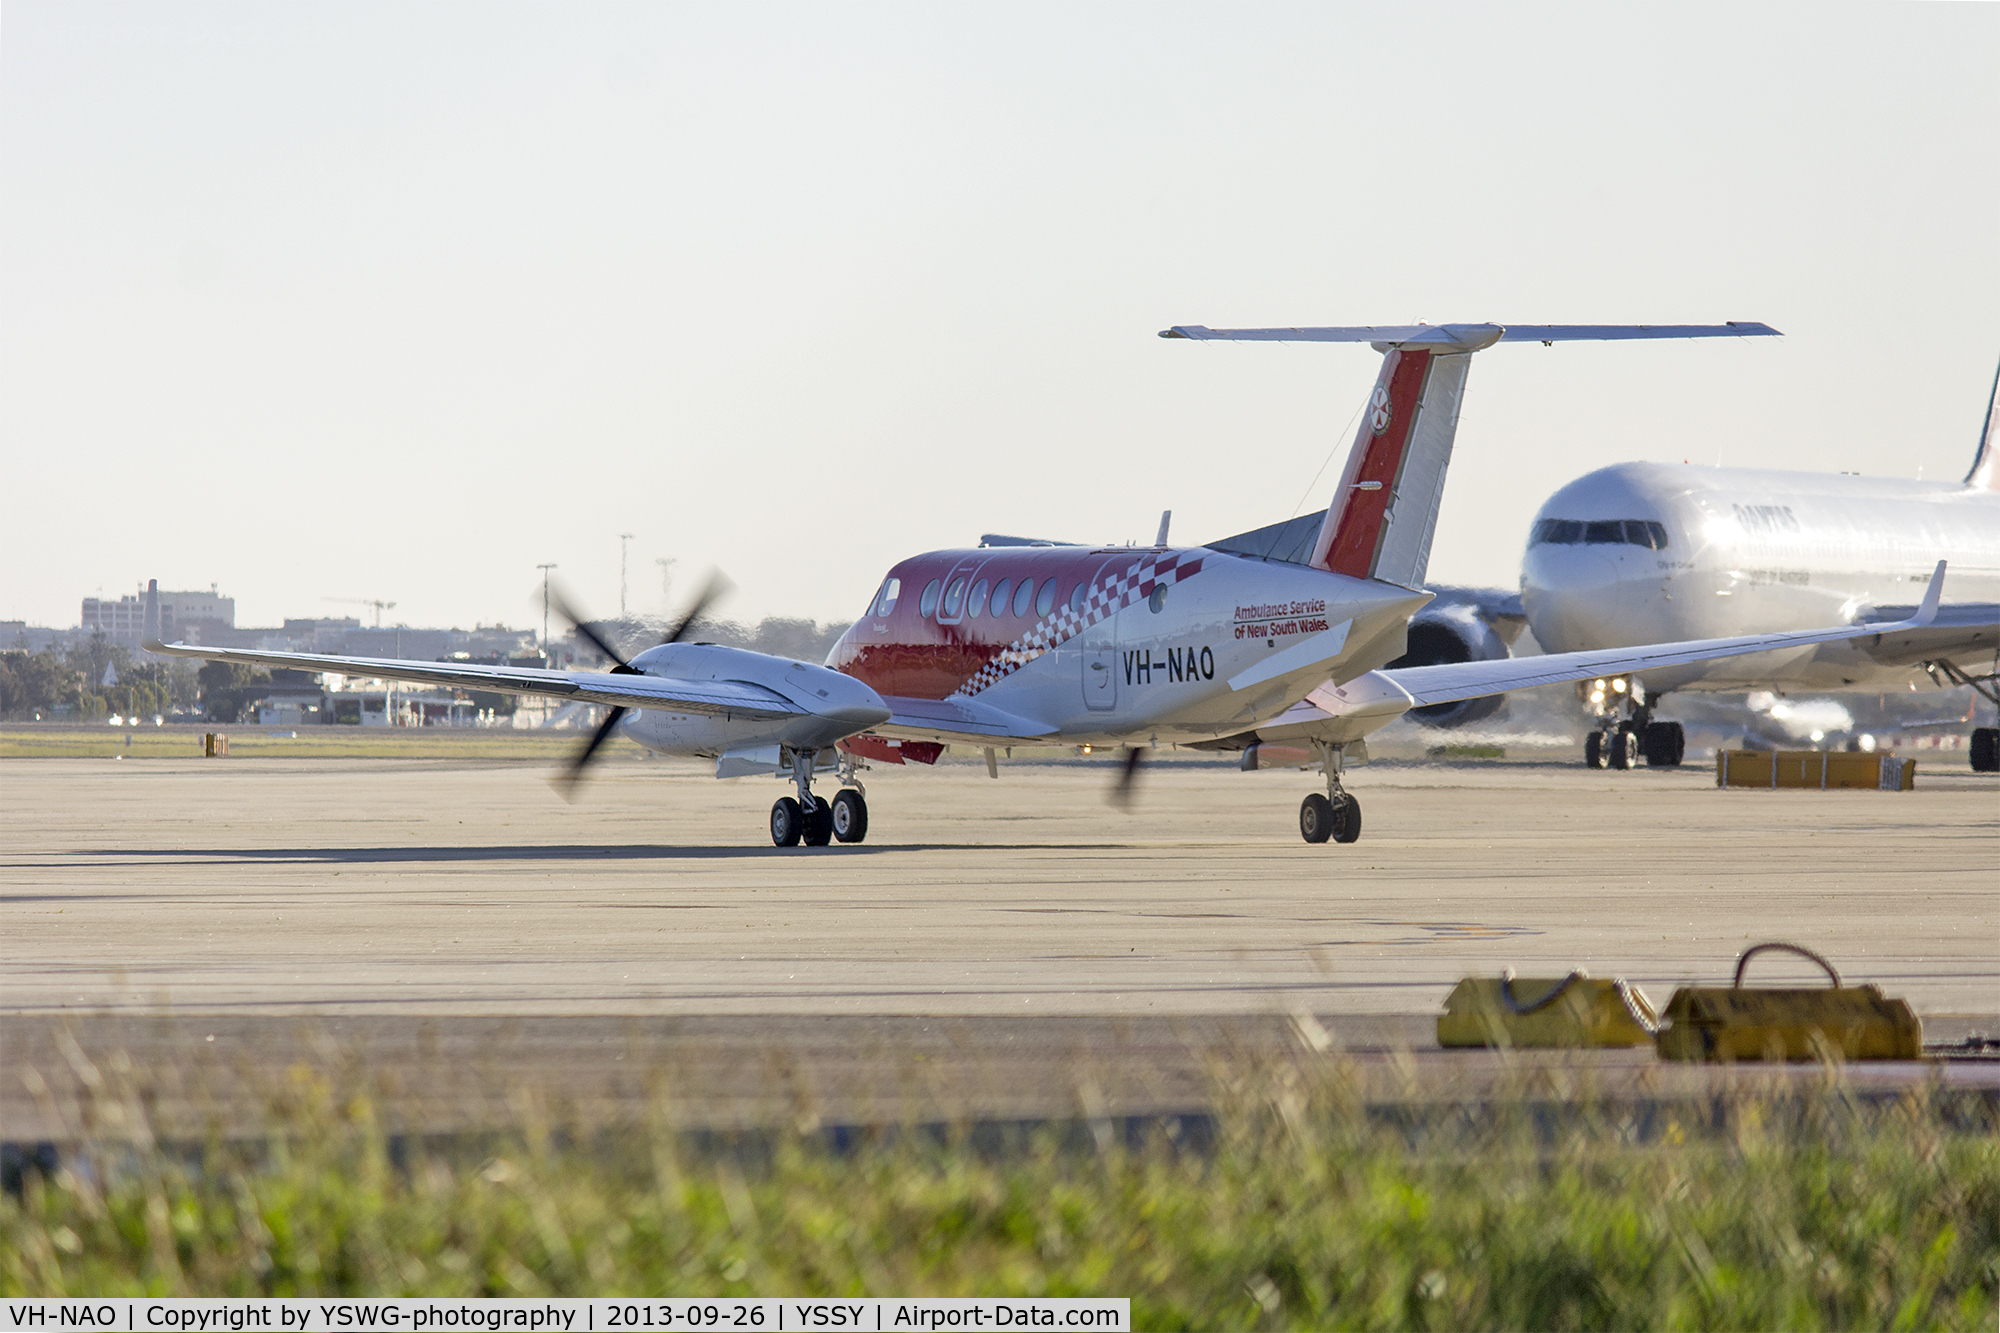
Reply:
x=566, y=781
x=1126, y=783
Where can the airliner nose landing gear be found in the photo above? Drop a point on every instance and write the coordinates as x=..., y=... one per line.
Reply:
x=1336, y=816
x=1619, y=741
x=809, y=820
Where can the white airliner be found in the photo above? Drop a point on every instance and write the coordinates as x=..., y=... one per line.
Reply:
x=1277, y=637
x=1641, y=552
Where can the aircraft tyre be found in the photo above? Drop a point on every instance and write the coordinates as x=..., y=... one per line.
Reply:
x=1347, y=820
x=1986, y=749
x=1624, y=748
x=1593, y=750
x=850, y=817
x=818, y=830
x=1316, y=821
x=787, y=822
x=1665, y=744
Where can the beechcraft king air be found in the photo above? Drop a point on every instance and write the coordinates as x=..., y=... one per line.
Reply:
x=1269, y=638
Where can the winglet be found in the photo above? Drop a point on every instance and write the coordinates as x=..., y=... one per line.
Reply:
x=1927, y=612
x=150, y=640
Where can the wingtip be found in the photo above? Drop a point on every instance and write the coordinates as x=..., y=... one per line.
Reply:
x=150, y=638
x=1933, y=594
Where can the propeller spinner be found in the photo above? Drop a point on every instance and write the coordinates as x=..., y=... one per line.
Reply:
x=566, y=781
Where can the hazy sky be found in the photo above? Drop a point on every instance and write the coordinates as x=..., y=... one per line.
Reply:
x=399, y=301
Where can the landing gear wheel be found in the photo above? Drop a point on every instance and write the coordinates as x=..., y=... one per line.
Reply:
x=1316, y=819
x=818, y=830
x=1624, y=748
x=1347, y=820
x=1593, y=750
x=787, y=822
x=1986, y=749
x=1664, y=744
x=850, y=817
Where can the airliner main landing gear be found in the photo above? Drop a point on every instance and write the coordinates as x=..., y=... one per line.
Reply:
x=1336, y=816
x=807, y=819
x=1618, y=742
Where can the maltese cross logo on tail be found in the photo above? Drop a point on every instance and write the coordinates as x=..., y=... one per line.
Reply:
x=1378, y=409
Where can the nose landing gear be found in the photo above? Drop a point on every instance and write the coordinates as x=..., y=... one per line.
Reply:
x=1620, y=741
x=809, y=820
x=1336, y=816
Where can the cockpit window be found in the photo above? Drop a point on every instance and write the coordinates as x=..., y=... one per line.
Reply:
x=891, y=589
x=1601, y=532
x=928, y=602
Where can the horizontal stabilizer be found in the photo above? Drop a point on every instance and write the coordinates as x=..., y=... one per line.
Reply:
x=1472, y=337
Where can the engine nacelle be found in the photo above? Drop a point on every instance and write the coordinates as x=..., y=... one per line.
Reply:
x=1453, y=632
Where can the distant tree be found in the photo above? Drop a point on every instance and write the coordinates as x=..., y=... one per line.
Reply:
x=32, y=682
x=228, y=688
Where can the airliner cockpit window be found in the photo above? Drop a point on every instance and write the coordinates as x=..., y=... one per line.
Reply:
x=1602, y=532
x=891, y=589
x=1605, y=532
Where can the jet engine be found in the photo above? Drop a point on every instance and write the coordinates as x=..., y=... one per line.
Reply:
x=1454, y=631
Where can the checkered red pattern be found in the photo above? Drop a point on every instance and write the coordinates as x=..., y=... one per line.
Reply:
x=1109, y=593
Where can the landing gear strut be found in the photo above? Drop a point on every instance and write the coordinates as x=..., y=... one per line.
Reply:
x=1626, y=729
x=1335, y=816
x=807, y=819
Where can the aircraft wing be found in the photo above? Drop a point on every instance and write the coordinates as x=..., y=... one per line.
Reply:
x=1470, y=680
x=723, y=698
x=1959, y=628
x=965, y=721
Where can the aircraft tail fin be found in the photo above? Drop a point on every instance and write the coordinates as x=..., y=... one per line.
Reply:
x=1985, y=474
x=1384, y=515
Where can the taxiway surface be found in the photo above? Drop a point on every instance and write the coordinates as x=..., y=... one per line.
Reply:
x=334, y=887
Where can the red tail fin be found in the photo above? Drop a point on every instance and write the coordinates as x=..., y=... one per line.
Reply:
x=1381, y=522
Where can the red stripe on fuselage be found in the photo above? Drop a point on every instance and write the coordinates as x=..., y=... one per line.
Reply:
x=1357, y=533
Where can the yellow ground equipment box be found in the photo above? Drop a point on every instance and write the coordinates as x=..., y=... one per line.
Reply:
x=1814, y=768
x=1739, y=1022
x=1576, y=1010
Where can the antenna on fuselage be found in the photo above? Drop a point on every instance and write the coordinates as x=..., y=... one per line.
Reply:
x=1166, y=518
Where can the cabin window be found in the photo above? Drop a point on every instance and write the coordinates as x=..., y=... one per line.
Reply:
x=891, y=589
x=1024, y=597
x=954, y=596
x=975, y=605
x=1000, y=596
x=1077, y=596
x=928, y=602
x=1047, y=601
x=1158, y=599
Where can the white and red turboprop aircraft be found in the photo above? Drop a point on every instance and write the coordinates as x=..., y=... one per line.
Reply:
x=1273, y=640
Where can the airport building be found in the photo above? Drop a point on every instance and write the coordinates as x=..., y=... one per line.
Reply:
x=183, y=615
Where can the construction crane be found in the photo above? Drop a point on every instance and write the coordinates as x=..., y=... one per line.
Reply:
x=376, y=602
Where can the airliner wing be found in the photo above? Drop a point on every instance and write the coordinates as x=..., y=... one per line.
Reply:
x=1958, y=629
x=965, y=721
x=725, y=698
x=1470, y=680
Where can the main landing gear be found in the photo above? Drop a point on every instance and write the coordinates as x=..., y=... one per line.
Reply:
x=809, y=820
x=1336, y=816
x=1620, y=741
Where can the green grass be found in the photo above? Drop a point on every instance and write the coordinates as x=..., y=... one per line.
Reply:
x=1806, y=1210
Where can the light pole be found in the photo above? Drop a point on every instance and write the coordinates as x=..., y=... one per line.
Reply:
x=624, y=540
x=545, y=606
